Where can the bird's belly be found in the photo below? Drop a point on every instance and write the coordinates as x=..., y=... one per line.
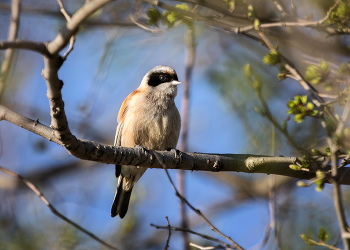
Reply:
x=155, y=130
x=157, y=133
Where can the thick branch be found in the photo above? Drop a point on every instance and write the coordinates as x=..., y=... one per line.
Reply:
x=92, y=151
x=27, y=45
x=63, y=37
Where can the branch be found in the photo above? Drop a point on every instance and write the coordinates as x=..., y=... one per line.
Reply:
x=13, y=32
x=27, y=45
x=195, y=233
x=183, y=199
x=71, y=28
x=72, y=39
x=291, y=24
x=92, y=151
x=58, y=14
x=190, y=58
x=53, y=210
x=321, y=243
x=167, y=241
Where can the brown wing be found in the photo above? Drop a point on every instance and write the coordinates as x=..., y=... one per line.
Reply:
x=121, y=117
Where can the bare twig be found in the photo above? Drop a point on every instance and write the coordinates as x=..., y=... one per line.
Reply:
x=12, y=36
x=71, y=28
x=189, y=61
x=344, y=118
x=26, y=10
x=144, y=26
x=180, y=229
x=167, y=241
x=63, y=10
x=212, y=227
x=53, y=209
x=264, y=241
x=291, y=24
x=337, y=196
x=208, y=248
x=321, y=243
x=72, y=39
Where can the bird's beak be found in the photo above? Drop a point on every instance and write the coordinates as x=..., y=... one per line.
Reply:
x=176, y=83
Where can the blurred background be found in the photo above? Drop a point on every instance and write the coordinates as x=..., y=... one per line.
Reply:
x=111, y=55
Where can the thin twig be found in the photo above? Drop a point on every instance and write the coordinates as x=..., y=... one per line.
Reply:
x=208, y=248
x=194, y=209
x=264, y=241
x=144, y=25
x=167, y=242
x=12, y=36
x=291, y=24
x=180, y=229
x=63, y=10
x=321, y=243
x=53, y=210
x=72, y=39
x=189, y=61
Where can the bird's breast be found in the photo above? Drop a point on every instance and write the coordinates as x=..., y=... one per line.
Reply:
x=153, y=127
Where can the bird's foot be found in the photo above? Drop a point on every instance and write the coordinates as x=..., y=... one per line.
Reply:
x=177, y=155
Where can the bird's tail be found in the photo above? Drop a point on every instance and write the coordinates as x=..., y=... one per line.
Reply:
x=121, y=199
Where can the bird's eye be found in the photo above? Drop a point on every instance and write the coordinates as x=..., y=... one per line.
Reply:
x=162, y=77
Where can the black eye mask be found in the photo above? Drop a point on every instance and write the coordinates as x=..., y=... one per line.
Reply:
x=157, y=78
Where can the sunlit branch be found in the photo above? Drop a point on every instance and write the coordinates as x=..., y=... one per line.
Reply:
x=26, y=45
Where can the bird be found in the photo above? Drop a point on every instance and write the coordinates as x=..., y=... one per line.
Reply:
x=149, y=118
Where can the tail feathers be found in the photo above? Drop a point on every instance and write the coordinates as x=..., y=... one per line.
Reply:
x=121, y=200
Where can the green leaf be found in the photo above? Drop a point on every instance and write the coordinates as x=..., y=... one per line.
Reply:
x=328, y=151
x=231, y=4
x=294, y=167
x=313, y=112
x=257, y=83
x=316, y=152
x=322, y=235
x=284, y=125
x=315, y=74
x=298, y=118
x=344, y=69
x=252, y=13
x=298, y=100
x=310, y=106
x=260, y=111
x=256, y=24
x=290, y=104
x=281, y=76
x=319, y=185
x=326, y=69
x=154, y=16
x=302, y=184
x=272, y=58
x=182, y=6
x=247, y=71
x=304, y=99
